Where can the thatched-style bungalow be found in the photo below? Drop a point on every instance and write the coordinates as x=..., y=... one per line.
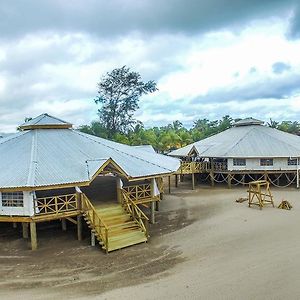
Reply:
x=51, y=171
x=247, y=151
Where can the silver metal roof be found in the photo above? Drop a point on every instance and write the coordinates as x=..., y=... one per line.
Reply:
x=147, y=148
x=245, y=141
x=44, y=157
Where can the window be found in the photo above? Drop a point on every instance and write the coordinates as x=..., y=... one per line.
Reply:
x=12, y=199
x=239, y=162
x=266, y=161
x=292, y=161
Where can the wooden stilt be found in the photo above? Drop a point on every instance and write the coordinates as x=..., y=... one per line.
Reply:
x=14, y=225
x=176, y=180
x=157, y=204
x=25, y=230
x=297, y=175
x=211, y=174
x=169, y=181
x=93, y=239
x=79, y=228
x=193, y=181
x=33, y=236
x=229, y=181
x=152, y=209
x=181, y=178
x=64, y=224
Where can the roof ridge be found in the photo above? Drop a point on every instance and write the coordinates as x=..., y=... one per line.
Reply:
x=253, y=128
x=87, y=136
x=33, y=162
x=11, y=137
x=281, y=140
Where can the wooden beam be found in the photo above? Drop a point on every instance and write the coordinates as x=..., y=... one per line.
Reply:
x=176, y=180
x=33, y=236
x=169, y=182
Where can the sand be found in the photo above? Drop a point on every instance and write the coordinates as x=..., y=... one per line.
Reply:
x=204, y=246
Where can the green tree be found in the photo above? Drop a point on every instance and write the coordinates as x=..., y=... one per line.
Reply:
x=118, y=94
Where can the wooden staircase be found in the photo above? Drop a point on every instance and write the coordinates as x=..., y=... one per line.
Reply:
x=113, y=226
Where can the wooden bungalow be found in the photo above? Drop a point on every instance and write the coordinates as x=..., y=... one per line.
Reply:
x=247, y=151
x=53, y=172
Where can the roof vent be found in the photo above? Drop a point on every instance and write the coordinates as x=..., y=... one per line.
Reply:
x=248, y=122
x=45, y=121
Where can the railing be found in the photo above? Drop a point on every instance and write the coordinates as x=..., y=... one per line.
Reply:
x=55, y=204
x=189, y=167
x=138, y=193
x=136, y=213
x=220, y=166
x=96, y=222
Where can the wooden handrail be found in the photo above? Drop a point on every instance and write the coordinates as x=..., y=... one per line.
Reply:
x=95, y=219
x=55, y=204
x=137, y=214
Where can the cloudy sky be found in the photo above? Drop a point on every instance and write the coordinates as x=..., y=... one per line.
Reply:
x=208, y=57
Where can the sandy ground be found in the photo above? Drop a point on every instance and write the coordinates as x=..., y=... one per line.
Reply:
x=204, y=246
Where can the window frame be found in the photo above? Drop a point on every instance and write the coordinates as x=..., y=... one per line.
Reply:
x=12, y=199
x=268, y=162
x=237, y=162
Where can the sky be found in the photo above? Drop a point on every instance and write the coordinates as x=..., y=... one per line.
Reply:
x=209, y=58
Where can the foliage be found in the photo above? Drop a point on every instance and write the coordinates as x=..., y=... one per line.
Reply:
x=118, y=94
x=175, y=135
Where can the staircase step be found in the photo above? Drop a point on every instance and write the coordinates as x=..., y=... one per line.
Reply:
x=126, y=242
x=127, y=234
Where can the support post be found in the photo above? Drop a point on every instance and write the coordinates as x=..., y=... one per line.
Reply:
x=298, y=173
x=93, y=239
x=79, y=227
x=211, y=174
x=25, y=230
x=181, y=178
x=157, y=204
x=15, y=225
x=33, y=236
x=229, y=181
x=152, y=208
x=169, y=182
x=193, y=181
x=64, y=224
x=176, y=180
x=119, y=194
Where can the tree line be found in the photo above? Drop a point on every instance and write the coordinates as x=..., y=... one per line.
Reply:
x=175, y=135
x=118, y=96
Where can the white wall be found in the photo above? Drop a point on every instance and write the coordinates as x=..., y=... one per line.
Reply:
x=27, y=210
x=254, y=164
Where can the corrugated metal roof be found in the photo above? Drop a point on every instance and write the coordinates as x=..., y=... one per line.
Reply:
x=43, y=157
x=245, y=141
x=147, y=148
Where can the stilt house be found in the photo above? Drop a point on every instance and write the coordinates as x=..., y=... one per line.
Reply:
x=51, y=171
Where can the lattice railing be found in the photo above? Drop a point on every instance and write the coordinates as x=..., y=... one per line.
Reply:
x=138, y=192
x=189, y=167
x=55, y=204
